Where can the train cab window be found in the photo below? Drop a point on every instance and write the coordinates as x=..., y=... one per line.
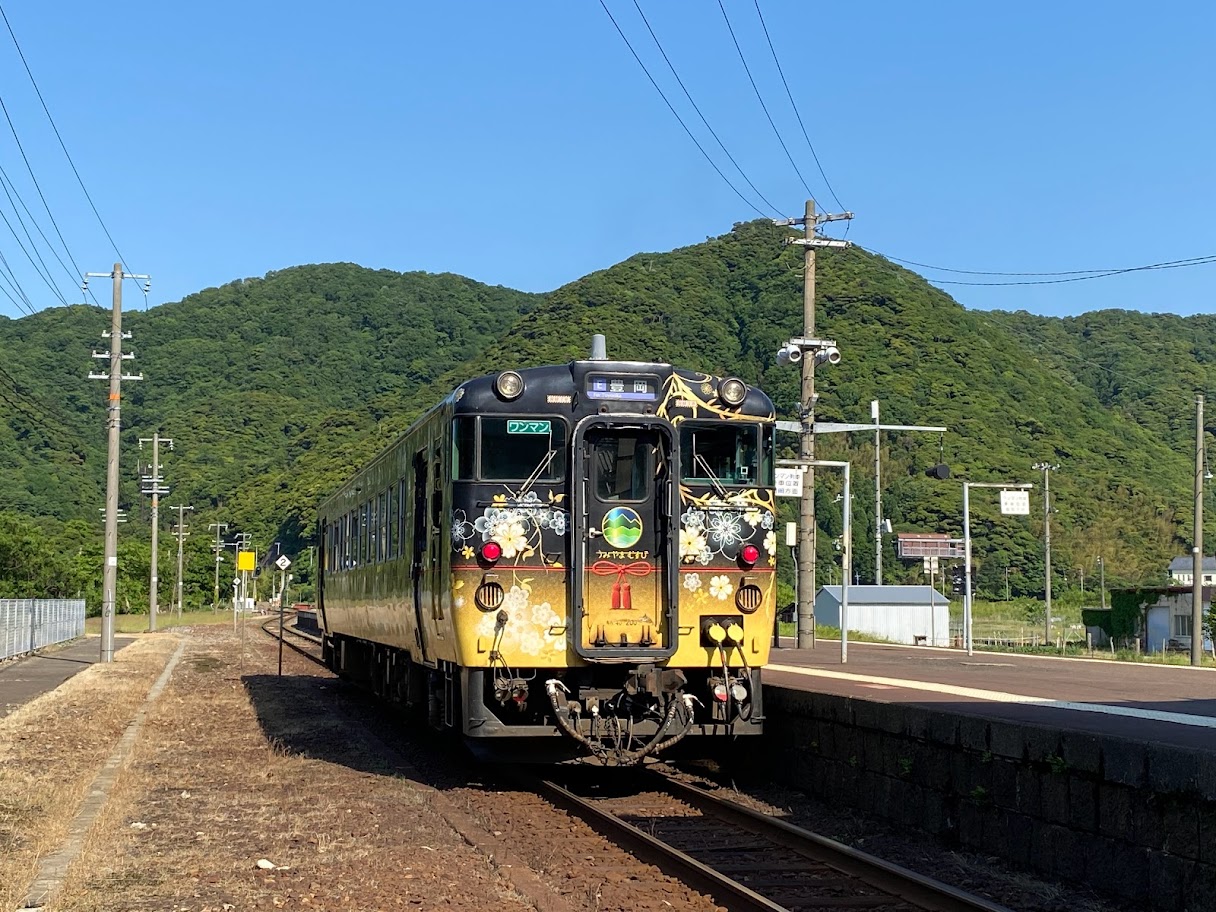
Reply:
x=622, y=465
x=517, y=449
x=464, y=449
x=724, y=453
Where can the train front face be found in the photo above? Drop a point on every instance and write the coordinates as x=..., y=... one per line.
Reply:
x=613, y=576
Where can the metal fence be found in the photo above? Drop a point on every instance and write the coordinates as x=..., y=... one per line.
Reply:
x=29, y=624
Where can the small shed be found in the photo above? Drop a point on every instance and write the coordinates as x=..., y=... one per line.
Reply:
x=916, y=615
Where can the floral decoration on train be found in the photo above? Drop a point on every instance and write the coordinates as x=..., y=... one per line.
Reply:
x=529, y=626
x=713, y=526
x=516, y=522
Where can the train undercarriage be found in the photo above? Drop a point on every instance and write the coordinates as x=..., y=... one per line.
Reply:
x=605, y=714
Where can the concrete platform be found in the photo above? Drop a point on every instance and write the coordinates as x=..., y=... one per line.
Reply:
x=26, y=678
x=1162, y=704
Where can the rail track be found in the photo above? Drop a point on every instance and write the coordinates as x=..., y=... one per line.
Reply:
x=744, y=859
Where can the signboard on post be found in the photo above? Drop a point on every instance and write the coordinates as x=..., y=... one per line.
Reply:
x=246, y=560
x=1015, y=503
x=789, y=482
x=283, y=562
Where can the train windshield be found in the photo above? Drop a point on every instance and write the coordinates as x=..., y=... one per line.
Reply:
x=510, y=449
x=727, y=454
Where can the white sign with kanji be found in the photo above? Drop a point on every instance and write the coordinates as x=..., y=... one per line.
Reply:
x=1015, y=503
x=789, y=482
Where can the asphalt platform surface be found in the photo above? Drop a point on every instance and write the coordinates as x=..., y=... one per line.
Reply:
x=1168, y=704
x=21, y=680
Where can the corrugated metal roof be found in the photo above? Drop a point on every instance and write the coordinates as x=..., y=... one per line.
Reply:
x=1187, y=564
x=888, y=595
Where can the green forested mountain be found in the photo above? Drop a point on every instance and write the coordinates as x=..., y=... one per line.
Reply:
x=273, y=389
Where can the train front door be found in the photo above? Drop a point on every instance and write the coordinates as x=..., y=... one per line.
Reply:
x=624, y=604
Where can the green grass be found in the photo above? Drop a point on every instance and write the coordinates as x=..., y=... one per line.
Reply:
x=138, y=623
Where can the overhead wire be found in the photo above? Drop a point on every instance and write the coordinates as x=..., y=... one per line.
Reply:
x=59, y=137
x=696, y=108
x=30, y=168
x=677, y=116
x=760, y=98
x=794, y=105
x=45, y=278
x=7, y=273
x=12, y=186
x=1085, y=275
x=10, y=190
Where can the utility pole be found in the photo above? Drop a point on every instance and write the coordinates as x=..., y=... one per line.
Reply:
x=219, y=528
x=151, y=484
x=109, y=576
x=1102, y=579
x=877, y=495
x=1047, y=468
x=181, y=536
x=821, y=351
x=1197, y=552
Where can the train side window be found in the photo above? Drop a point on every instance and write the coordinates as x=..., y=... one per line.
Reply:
x=514, y=449
x=381, y=527
x=390, y=537
x=464, y=449
x=373, y=533
x=402, y=517
x=365, y=529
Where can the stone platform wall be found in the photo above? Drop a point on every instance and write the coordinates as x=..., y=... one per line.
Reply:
x=1131, y=819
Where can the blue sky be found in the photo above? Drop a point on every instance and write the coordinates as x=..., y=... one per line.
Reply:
x=520, y=143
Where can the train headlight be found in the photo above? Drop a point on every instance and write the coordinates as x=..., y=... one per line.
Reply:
x=509, y=385
x=732, y=391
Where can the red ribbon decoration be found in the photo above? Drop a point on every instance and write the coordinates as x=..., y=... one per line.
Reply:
x=621, y=597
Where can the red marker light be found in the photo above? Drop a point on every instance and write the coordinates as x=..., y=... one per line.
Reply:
x=750, y=554
x=491, y=551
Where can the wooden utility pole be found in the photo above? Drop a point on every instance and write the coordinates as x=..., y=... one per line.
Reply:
x=181, y=537
x=109, y=573
x=152, y=484
x=1047, y=468
x=219, y=528
x=809, y=350
x=1197, y=551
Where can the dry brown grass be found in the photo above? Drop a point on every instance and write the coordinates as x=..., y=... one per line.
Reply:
x=233, y=769
x=51, y=748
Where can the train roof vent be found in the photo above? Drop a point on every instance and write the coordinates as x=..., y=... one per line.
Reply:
x=599, y=348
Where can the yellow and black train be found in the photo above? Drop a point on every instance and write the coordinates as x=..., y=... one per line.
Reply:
x=564, y=562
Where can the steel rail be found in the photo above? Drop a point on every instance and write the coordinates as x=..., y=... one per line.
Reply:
x=670, y=860
x=922, y=891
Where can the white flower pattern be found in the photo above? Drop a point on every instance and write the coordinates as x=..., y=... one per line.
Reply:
x=692, y=581
x=720, y=587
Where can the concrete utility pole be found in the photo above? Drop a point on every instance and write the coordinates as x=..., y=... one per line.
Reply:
x=181, y=536
x=109, y=576
x=821, y=352
x=1102, y=579
x=1197, y=552
x=219, y=528
x=1047, y=468
x=151, y=484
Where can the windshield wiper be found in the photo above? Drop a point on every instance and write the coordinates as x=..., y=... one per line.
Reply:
x=713, y=479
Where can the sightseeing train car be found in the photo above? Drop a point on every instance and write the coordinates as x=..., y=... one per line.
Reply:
x=564, y=562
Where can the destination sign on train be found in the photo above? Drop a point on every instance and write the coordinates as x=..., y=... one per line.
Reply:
x=642, y=389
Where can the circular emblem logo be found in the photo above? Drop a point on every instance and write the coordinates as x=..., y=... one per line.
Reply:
x=622, y=527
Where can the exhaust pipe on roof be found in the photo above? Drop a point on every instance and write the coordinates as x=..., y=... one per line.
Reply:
x=599, y=348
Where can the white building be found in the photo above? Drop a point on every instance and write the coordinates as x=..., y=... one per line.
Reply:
x=1182, y=571
x=916, y=615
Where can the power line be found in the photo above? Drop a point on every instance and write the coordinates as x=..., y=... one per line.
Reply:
x=51, y=285
x=677, y=116
x=10, y=190
x=790, y=95
x=688, y=95
x=760, y=98
x=28, y=167
x=12, y=185
x=47, y=110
